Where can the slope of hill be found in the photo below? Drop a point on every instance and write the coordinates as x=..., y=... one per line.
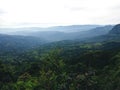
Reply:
x=115, y=30
x=13, y=44
x=112, y=35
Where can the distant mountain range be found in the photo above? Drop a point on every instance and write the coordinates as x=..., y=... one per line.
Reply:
x=71, y=28
x=14, y=43
x=66, y=32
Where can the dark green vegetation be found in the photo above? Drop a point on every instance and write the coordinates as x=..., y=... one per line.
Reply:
x=64, y=65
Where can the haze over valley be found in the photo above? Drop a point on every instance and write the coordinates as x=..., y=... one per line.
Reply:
x=60, y=32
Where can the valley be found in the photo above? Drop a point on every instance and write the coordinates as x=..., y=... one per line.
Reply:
x=55, y=60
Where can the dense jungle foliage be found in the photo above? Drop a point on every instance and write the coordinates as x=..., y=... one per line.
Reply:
x=66, y=66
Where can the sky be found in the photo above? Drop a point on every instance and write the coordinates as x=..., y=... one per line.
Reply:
x=45, y=13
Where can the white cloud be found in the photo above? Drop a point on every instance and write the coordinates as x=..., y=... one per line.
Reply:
x=59, y=12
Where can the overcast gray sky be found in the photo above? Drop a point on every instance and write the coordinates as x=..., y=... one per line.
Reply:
x=45, y=13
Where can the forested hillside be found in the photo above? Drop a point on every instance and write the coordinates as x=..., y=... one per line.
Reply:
x=89, y=64
x=13, y=43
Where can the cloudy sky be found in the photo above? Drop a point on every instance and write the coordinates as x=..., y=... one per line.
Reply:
x=45, y=13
